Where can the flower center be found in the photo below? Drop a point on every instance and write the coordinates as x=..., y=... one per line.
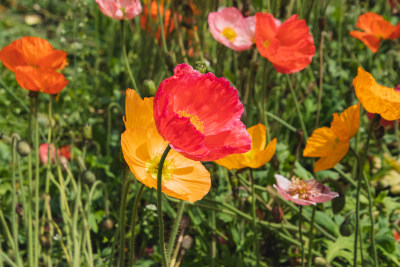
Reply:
x=300, y=187
x=152, y=168
x=266, y=43
x=193, y=120
x=229, y=34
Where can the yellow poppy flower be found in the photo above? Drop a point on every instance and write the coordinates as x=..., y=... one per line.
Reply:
x=142, y=147
x=376, y=98
x=258, y=154
x=332, y=144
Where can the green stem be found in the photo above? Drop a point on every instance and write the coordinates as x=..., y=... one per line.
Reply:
x=125, y=191
x=128, y=68
x=14, y=219
x=161, y=19
x=371, y=217
x=110, y=107
x=301, y=236
x=213, y=240
x=284, y=123
x=296, y=102
x=133, y=224
x=159, y=206
x=175, y=227
x=254, y=215
x=311, y=237
x=360, y=164
x=30, y=234
x=37, y=180
x=50, y=147
x=321, y=76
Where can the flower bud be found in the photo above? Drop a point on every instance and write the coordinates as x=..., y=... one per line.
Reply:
x=346, y=228
x=170, y=59
x=338, y=204
x=187, y=242
x=87, y=132
x=45, y=241
x=23, y=148
x=107, y=224
x=277, y=213
x=88, y=177
x=200, y=66
x=322, y=23
x=320, y=262
x=149, y=88
x=185, y=222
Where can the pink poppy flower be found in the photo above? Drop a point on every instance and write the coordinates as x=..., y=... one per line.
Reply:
x=199, y=114
x=230, y=28
x=383, y=121
x=303, y=192
x=120, y=9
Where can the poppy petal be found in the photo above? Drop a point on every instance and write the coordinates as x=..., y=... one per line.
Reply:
x=370, y=40
x=321, y=143
x=41, y=80
x=329, y=161
x=133, y=103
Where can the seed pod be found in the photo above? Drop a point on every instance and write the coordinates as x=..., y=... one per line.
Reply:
x=149, y=88
x=88, y=177
x=187, y=242
x=23, y=148
x=346, y=228
x=322, y=23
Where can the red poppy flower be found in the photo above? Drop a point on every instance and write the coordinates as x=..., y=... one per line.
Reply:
x=376, y=28
x=289, y=46
x=35, y=64
x=199, y=114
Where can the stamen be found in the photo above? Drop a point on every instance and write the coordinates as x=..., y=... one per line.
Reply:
x=193, y=120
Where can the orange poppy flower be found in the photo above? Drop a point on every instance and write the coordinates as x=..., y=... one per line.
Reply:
x=376, y=28
x=142, y=147
x=288, y=45
x=35, y=64
x=168, y=22
x=258, y=155
x=332, y=144
x=377, y=98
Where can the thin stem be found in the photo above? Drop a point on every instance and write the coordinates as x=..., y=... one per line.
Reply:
x=14, y=219
x=284, y=123
x=159, y=206
x=125, y=191
x=254, y=215
x=213, y=240
x=301, y=237
x=30, y=235
x=311, y=237
x=175, y=227
x=360, y=164
x=128, y=68
x=321, y=76
x=133, y=224
x=371, y=217
x=161, y=19
x=37, y=181
x=296, y=102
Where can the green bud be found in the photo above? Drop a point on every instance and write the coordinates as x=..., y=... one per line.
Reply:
x=320, y=262
x=88, y=177
x=149, y=88
x=87, y=132
x=346, y=228
x=200, y=66
x=23, y=148
x=338, y=204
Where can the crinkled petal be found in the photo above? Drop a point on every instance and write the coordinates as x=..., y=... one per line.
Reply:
x=329, y=161
x=321, y=143
x=376, y=98
x=370, y=40
x=42, y=80
x=139, y=112
x=282, y=183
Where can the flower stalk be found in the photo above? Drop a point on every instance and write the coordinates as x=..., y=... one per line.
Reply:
x=165, y=259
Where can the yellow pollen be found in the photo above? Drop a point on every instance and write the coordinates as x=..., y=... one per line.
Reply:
x=152, y=168
x=266, y=43
x=229, y=34
x=193, y=120
x=299, y=187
